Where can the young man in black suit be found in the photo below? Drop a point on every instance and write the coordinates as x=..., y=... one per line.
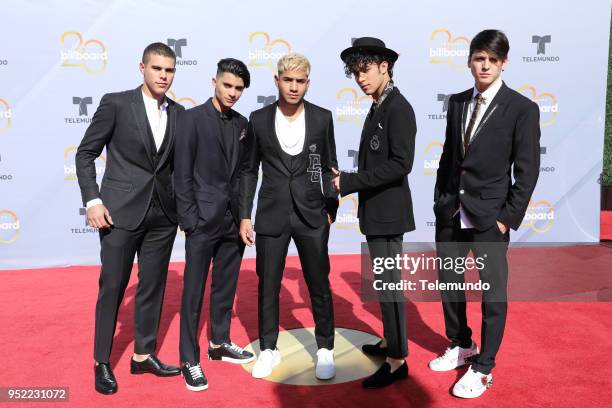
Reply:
x=209, y=144
x=294, y=142
x=491, y=130
x=134, y=209
x=386, y=154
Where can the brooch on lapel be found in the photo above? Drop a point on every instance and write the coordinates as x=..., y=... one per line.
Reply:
x=374, y=143
x=242, y=135
x=380, y=126
x=313, y=148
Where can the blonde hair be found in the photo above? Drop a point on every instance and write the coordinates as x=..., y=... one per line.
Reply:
x=293, y=61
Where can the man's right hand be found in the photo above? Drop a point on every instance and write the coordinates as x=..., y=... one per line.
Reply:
x=246, y=232
x=99, y=217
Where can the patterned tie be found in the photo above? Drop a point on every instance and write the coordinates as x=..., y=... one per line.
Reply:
x=468, y=133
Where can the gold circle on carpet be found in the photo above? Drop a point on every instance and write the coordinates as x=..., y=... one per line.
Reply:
x=298, y=349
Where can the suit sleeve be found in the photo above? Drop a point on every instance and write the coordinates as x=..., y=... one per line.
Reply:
x=526, y=159
x=401, y=136
x=185, y=149
x=249, y=172
x=330, y=161
x=444, y=168
x=97, y=136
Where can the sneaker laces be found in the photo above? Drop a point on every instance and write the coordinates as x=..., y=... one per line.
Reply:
x=196, y=372
x=236, y=348
x=446, y=354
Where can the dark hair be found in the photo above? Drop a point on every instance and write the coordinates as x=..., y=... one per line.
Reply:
x=236, y=67
x=158, y=49
x=360, y=60
x=491, y=41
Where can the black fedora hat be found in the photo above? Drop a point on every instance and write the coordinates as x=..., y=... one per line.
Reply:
x=370, y=44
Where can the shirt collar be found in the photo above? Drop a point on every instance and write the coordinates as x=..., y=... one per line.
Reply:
x=491, y=91
x=152, y=101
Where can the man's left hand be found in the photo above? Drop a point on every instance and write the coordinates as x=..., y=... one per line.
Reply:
x=336, y=180
x=503, y=228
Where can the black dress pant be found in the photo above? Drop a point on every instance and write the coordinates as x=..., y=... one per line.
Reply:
x=392, y=303
x=311, y=244
x=456, y=243
x=224, y=248
x=152, y=241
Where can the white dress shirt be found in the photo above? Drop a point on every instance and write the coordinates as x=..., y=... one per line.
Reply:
x=488, y=96
x=290, y=135
x=158, y=118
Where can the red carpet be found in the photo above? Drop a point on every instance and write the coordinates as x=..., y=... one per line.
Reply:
x=606, y=226
x=553, y=354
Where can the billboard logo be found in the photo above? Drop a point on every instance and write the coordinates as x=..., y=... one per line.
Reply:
x=433, y=152
x=90, y=55
x=9, y=227
x=177, y=45
x=5, y=115
x=346, y=218
x=70, y=173
x=266, y=52
x=453, y=51
x=351, y=107
x=183, y=100
x=539, y=217
x=547, y=102
x=540, y=42
x=266, y=100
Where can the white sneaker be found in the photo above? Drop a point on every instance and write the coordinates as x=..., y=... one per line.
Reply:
x=325, y=368
x=267, y=360
x=453, y=357
x=472, y=384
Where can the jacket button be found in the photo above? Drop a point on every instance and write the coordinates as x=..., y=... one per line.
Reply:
x=461, y=191
x=462, y=172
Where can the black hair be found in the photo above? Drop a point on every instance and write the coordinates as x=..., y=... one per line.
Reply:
x=236, y=67
x=157, y=48
x=491, y=41
x=360, y=60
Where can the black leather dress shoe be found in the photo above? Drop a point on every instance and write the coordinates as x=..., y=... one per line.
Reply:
x=105, y=379
x=384, y=377
x=154, y=366
x=374, y=350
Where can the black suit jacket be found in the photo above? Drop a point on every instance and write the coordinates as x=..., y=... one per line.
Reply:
x=206, y=176
x=508, y=135
x=386, y=154
x=120, y=124
x=280, y=187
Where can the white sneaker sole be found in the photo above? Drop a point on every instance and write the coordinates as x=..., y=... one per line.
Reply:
x=325, y=376
x=440, y=369
x=265, y=373
x=234, y=360
x=468, y=396
x=200, y=388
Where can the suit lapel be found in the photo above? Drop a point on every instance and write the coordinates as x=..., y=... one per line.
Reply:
x=170, y=126
x=463, y=118
x=235, y=154
x=140, y=117
x=373, y=124
x=213, y=120
x=494, y=106
x=272, y=126
x=308, y=119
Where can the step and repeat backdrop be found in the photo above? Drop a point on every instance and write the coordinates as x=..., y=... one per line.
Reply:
x=58, y=58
